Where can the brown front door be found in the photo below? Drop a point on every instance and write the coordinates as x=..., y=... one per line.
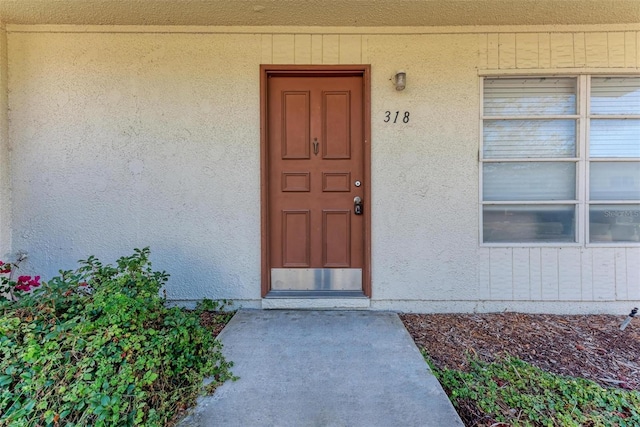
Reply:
x=315, y=149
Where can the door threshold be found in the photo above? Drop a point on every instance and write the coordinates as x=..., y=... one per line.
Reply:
x=315, y=303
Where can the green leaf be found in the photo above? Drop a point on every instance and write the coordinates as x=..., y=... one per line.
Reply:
x=105, y=400
x=5, y=380
x=29, y=406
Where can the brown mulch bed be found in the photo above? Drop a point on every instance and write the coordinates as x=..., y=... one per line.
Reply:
x=215, y=321
x=589, y=346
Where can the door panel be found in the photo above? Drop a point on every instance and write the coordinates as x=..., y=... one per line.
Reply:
x=295, y=125
x=336, y=238
x=336, y=120
x=296, y=181
x=296, y=238
x=315, y=153
x=336, y=181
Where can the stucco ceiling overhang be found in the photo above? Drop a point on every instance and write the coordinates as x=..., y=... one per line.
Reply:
x=360, y=13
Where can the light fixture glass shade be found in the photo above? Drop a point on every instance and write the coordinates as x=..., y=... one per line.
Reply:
x=400, y=80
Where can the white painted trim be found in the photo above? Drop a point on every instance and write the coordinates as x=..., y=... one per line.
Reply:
x=540, y=117
x=558, y=72
x=315, y=303
x=586, y=81
x=582, y=150
x=529, y=202
x=480, y=162
x=458, y=306
x=542, y=307
x=196, y=29
x=558, y=245
x=529, y=159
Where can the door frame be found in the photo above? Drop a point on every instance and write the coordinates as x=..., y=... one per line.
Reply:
x=266, y=71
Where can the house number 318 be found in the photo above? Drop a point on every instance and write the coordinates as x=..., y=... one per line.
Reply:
x=390, y=116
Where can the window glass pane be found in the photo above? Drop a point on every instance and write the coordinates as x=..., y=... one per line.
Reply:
x=614, y=181
x=529, y=181
x=529, y=223
x=615, y=138
x=615, y=95
x=505, y=139
x=529, y=96
x=614, y=223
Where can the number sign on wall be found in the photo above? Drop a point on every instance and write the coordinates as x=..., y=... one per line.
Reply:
x=396, y=117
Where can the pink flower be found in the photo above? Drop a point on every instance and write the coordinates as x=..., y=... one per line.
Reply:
x=4, y=268
x=25, y=283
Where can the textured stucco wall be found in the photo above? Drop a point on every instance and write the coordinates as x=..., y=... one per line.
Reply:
x=5, y=176
x=125, y=141
x=424, y=173
x=129, y=139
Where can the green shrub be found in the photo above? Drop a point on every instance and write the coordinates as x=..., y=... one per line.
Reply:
x=97, y=346
x=515, y=392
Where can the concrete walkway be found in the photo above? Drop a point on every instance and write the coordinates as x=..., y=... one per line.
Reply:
x=323, y=368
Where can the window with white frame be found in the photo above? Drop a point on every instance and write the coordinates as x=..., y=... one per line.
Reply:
x=560, y=160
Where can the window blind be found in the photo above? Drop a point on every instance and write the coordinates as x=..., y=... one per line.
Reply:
x=615, y=95
x=505, y=139
x=615, y=138
x=530, y=181
x=529, y=96
x=615, y=181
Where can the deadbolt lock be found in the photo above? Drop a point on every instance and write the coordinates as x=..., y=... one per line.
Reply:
x=357, y=205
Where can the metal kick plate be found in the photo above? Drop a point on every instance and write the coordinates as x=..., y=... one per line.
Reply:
x=316, y=279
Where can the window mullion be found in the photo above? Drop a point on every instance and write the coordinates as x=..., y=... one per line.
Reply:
x=481, y=162
x=582, y=146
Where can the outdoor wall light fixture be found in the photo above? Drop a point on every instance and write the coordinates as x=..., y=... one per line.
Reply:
x=400, y=80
